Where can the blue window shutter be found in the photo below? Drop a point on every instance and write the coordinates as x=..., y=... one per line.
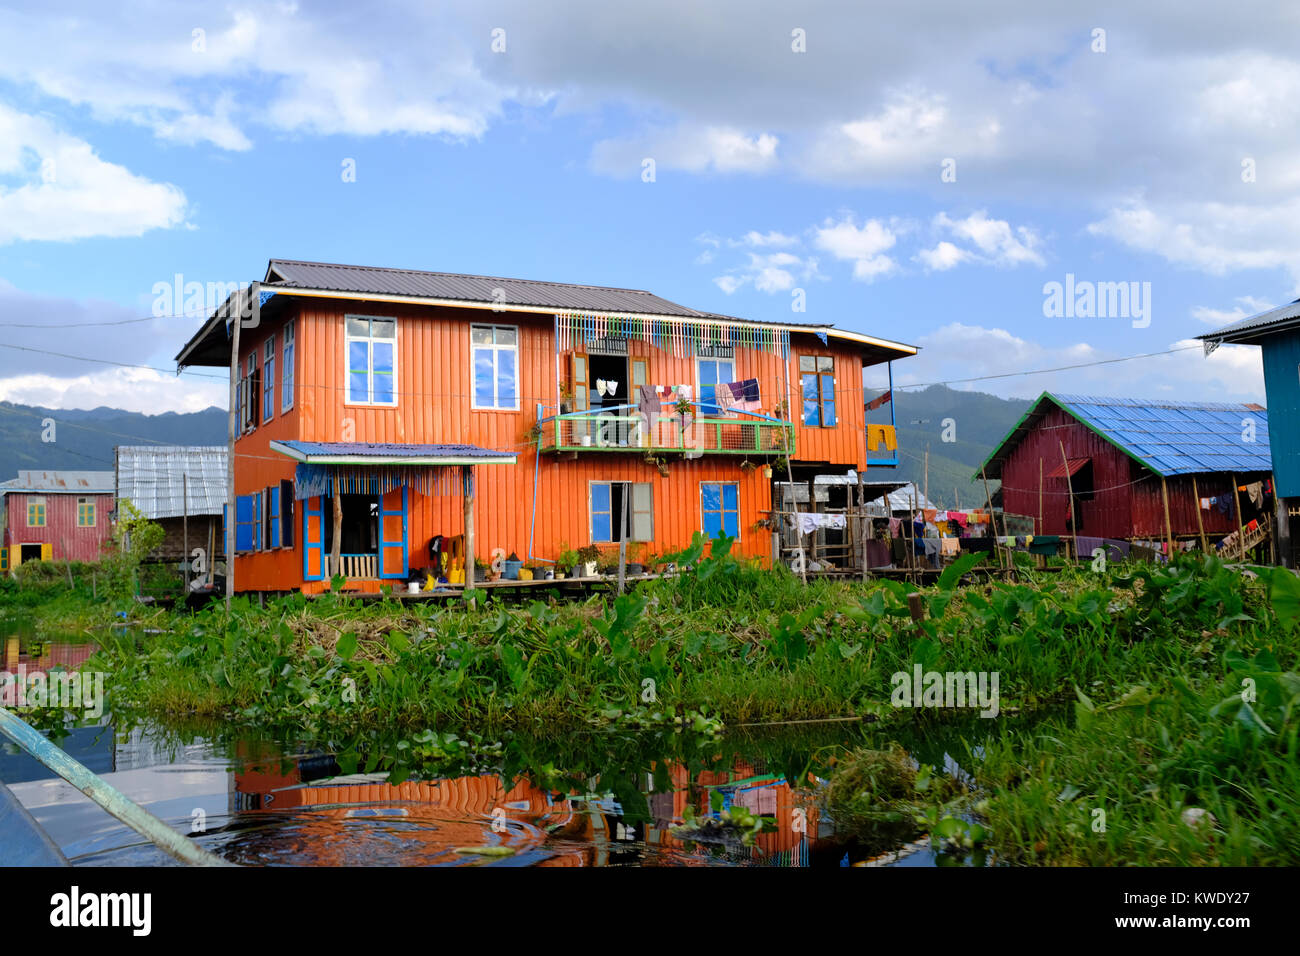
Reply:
x=275, y=517
x=244, y=523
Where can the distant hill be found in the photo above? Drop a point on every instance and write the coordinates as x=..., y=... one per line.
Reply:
x=979, y=421
x=84, y=439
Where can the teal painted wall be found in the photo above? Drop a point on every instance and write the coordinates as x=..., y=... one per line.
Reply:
x=1282, y=383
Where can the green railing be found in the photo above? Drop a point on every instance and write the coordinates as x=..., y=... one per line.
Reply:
x=623, y=429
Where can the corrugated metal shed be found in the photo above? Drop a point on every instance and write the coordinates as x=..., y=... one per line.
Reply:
x=1170, y=438
x=71, y=482
x=153, y=478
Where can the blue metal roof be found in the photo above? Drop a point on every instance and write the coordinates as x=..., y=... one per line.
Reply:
x=388, y=453
x=1177, y=438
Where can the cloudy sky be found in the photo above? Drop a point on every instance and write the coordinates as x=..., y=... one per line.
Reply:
x=923, y=172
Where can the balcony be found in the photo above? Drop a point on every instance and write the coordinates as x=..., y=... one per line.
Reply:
x=623, y=429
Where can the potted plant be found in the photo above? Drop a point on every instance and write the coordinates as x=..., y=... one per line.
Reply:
x=481, y=570
x=510, y=570
x=567, y=565
x=566, y=398
x=588, y=555
x=634, y=565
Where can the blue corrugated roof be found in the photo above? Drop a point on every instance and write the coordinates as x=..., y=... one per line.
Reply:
x=1177, y=438
x=358, y=452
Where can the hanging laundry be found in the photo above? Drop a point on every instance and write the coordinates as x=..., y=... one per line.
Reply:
x=1207, y=503
x=744, y=394
x=881, y=433
x=611, y=386
x=894, y=526
x=949, y=545
x=600, y=387
x=809, y=521
x=725, y=399
x=879, y=400
x=647, y=404
x=930, y=514
x=1255, y=491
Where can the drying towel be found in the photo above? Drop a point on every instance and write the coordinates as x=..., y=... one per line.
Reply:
x=881, y=433
x=949, y=545
x=725, y=399
x=930, y=514
x=647, y=404
x=809, y=521
x=744, y=394
x=894, y=526
x=958, y=516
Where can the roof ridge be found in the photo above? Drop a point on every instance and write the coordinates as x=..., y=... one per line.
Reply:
x=473, y=275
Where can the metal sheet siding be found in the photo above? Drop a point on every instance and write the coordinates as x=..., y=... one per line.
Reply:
x=68, y=541
x=1281, y=356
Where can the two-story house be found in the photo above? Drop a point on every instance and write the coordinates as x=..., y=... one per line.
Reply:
x=374, y=405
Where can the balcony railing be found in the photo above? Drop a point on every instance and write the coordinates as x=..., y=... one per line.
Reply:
x=362, y=567
x=623, y=429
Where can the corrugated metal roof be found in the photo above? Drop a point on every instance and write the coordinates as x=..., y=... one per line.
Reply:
x=155, y=478
x=1170, y=438
x=469, y=288
x=1255, y=325
x=381, y=452
x=71, y=482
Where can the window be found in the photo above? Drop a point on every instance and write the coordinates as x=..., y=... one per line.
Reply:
x=494, y=354
x=85, y=512
x=286, y=513
x=36, y=512
x=247, y=395
x=712, y=373
x=244, y=523
x=817, y=373
x=372, y=360
x=286, y=372
x=268, y=380
x=719, y=508
x=607, y=510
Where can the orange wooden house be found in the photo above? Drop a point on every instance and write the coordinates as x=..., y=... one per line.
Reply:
x=395, y=393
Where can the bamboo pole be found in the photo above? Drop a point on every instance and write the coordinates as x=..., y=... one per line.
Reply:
x=1200, y=522
x=988, y=503
x=1169, y=533
x=185, y=533
x=925, y=493
x=1241, y=533
x=236, y=321
x=467, y=490
x=622, y=539
x=337, y=546
x=1074, y=515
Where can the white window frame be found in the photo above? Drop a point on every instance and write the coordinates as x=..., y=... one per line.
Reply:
x=288, y=352
x=268, y=380
x=496, y=350
x=348, y=339
x=699, y=387
x=630, y=491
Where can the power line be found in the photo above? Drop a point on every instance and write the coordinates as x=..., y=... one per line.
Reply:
x=1041, y=371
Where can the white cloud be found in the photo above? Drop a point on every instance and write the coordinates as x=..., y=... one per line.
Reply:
x=1217, y=317
x=66, y=191
x=693, y=149
x=863, y=245
x=769, y=272
x=136, y=390
x=957, y=352
x=995, y=239
x=942, y=257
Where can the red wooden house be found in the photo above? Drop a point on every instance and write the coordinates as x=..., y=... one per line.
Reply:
x=1135, y=470
x=393, y=392
x=55, y=515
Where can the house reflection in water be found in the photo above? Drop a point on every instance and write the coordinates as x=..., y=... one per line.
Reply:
x=336, y=818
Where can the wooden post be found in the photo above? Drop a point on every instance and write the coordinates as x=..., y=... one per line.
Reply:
x=337, y=546
x=916, y=608
x=236, y=321
x=812, y=506
x=1040, y=495
x=1169, y=533
x=622, y=539
x=866, y=519
x=1200, y=523
x=1074, y=515
x=925, y=493
x=1236, y=500
x=185, y=533
x=212, y=548
x=467, y=489
x=993, y=525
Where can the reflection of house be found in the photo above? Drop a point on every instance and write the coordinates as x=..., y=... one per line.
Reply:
x=1120, y=468
x=585, y=830
x=181, y=488
x=367, y=397
x=1277, y=333
x=55, y=515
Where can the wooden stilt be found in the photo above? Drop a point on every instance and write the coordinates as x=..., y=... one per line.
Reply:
x=1241, y=533
x=1169, y=533
x=337, y=546
x=1200, y=522
x=1074, y=515
x=468, y=494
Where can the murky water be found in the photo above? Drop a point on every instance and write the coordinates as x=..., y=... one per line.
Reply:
x=617, y=799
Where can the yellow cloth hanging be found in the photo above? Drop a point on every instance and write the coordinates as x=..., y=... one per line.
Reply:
x=881, y=433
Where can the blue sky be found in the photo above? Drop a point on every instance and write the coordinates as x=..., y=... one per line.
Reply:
x=1160, y=152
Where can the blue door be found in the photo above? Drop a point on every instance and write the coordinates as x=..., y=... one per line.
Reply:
x=392, y=534
x=313, y=539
